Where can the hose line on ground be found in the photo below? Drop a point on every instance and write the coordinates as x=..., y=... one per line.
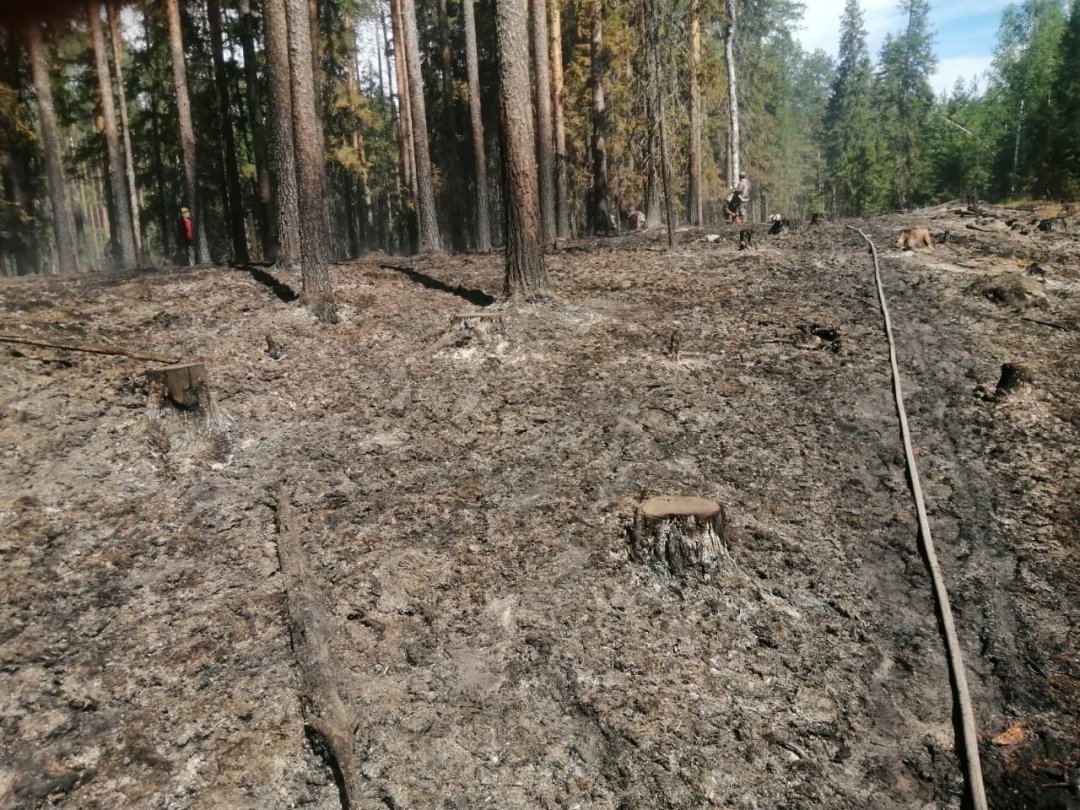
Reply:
x=968, y=729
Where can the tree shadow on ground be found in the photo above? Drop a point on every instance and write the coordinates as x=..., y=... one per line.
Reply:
x=477, y=298
x=282, y=290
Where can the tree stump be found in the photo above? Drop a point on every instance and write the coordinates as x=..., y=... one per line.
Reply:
x=186, y=386
x=817, y=218
x=746, y=238
x=679, y=535
x=1015, y=379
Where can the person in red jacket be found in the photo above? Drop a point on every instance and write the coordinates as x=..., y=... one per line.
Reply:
x=187, y=235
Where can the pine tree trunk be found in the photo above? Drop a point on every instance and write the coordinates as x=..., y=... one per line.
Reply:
x=545, y=145
x=558, y=100
x=403, y=106
x=697, y=214
x=452, y=185
x=598, y=204
x=123, y=238
x=117, y=38
x=653, y=199
x=733, y=93
x=483, y=206
x=427, y=221
x=67, y=251
x=310, y=167
x=282, y=150
x=258, y=129
x=187, y=129
x=235, y=202
x=524, y=231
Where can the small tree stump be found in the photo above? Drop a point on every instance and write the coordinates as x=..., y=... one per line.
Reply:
x=1015, y=379
x=746, y=238
x=186, y=386
x=817, y=218
x=679, y=535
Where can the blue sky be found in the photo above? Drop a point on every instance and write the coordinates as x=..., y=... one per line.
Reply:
x=964, y=32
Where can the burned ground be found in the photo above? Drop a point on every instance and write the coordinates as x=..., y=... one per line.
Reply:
x=463, y=489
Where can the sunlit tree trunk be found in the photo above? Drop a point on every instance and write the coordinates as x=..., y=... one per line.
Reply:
x=67, y=251
x=558, y=100
x=187, y=129
x=283, y=152
x=452, y=184
x=318, y=293
x=116, y=35
x=598, y=208
x=258, y=128
x=696, y=211
x=235, y=202
x=545, y=145
x=483, y=205
x=427, y=221
x=733, y=93
x=123, y=238
x=524, y=232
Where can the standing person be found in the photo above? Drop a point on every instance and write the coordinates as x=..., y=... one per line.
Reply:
x=187, y=235
x=743, y=191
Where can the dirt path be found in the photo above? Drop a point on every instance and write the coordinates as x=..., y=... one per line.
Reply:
x=464, y=489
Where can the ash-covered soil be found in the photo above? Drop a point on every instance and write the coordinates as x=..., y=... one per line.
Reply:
x=463, y=490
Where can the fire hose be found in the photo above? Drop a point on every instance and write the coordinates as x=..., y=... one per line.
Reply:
x=968, y=730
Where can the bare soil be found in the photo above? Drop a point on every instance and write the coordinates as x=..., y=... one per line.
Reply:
x=463, y=489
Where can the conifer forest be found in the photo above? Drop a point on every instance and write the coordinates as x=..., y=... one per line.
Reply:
x=604, y=404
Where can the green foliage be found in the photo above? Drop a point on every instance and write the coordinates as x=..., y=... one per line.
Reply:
x=1065, y=99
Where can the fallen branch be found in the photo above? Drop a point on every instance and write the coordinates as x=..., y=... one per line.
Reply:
x=326, y=714
x=1062, y=327
x=93, y=348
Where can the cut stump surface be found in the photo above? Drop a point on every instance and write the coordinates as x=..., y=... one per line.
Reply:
x=680, y=536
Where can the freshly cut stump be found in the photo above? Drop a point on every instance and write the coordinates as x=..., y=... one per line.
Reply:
x=680, y=535
x=186, y=386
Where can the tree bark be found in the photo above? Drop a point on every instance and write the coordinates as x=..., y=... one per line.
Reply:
x=483, y=205
x=264, y=212
x=524, y=232
x=318, y=292
x=545, y=145
x=452, y=185
x=695, y=203
x=733, y=93
x=122, y=237
x=116, y=35
x=598, y=204
x=235, y=201
x=403, y=106
x=283, y=152
x=427, y=221
x=67, y=251
x=558, y=101
x=187, y=129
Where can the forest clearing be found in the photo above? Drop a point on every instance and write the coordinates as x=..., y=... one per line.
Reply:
x=460, y=476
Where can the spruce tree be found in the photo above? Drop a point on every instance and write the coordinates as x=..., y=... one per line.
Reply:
x=1066, y=108
x=905, y=99
x=849, y=122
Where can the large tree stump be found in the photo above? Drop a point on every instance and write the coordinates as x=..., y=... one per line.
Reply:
x=679, y=535
x=186, y=386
